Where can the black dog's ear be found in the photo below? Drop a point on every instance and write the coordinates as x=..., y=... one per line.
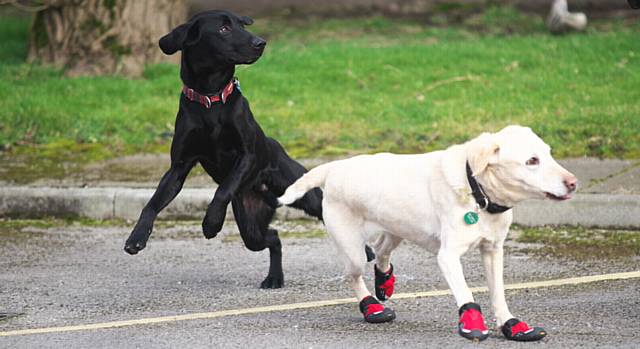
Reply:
x=246, y=20
x=184, y=34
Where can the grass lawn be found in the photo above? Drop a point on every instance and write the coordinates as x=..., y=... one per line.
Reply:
x=356, y=85
x=582, y=243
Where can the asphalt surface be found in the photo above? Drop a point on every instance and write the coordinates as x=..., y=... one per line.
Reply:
x=76, y=274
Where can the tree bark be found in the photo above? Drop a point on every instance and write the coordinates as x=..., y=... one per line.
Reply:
x=95, y=37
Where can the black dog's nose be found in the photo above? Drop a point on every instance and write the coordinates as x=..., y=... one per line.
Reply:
x=258, y=43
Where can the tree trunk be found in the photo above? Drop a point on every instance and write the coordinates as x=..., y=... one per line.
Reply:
x=93, y=37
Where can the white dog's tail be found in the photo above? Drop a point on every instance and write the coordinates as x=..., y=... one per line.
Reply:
x=310, y=180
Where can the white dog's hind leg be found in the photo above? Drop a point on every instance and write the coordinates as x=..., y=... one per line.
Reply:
x=383, y=248
x=492, y=259
x=346, y=230
x=383, y=270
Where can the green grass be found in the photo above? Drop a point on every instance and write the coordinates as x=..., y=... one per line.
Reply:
x=583, y=243
x=50, y=222
x=358, y=85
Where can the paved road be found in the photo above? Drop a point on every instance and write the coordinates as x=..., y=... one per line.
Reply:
x=79, y=275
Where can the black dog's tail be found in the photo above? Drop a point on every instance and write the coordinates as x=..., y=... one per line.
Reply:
x=285, y=173
x=312, y=179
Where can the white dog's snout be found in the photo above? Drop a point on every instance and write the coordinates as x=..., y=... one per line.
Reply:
x=571, y=183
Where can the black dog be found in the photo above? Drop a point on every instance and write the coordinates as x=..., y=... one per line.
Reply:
x=215, y=127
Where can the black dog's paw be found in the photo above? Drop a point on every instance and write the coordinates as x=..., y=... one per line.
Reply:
x=211, y=228
x=133, y=247
x=137, y=241
x=213, y=221
x=273, y=282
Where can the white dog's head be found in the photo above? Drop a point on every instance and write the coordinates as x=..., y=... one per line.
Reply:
x=514, y=164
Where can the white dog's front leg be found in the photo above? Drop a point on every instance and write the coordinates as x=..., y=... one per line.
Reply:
x=492, y=258
x=358, y=285
x=449, y=262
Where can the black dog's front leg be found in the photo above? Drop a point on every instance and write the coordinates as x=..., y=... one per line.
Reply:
x=217, y=210
x=169, y=186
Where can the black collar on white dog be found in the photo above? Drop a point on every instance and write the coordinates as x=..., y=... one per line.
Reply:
x=481, y=198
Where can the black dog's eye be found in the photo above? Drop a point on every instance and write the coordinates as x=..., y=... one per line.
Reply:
x=225, y=29
x=533, y=161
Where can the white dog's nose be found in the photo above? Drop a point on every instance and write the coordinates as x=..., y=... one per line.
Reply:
x=571, y=183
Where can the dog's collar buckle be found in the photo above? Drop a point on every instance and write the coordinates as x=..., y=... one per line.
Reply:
x=481, y=205
x=207, y=101
x=482, y=200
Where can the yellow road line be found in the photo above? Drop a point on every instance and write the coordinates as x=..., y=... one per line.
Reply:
x=307, y=305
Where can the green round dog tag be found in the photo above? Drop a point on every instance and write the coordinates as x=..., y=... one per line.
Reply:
x=471, y=217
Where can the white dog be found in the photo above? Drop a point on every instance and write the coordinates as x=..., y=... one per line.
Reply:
x=446, y=201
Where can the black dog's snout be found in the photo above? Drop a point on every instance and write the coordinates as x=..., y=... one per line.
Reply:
x=258, y=43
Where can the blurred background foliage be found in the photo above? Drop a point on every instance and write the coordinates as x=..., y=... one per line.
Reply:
x=362, y=78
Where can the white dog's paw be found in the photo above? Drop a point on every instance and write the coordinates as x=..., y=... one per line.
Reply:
x=517, y=330
x=471, y=324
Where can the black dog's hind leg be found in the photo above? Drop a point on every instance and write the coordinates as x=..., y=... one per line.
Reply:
x=253, y=216
x=275, y=277
x=169, y=186
x=217, y=210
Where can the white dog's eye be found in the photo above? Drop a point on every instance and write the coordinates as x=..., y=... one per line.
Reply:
x=533, y=161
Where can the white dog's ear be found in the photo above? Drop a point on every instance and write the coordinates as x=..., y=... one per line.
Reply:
x=482, y=152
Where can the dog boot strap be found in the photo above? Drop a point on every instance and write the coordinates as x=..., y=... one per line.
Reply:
x=384, y=282
x=471, y=325
x=369, y=306
x=517, y=330
x=374, y=312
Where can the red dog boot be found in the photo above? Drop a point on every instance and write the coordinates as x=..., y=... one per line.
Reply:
x=384, y=283
x=517, y=330
x=471, y=325
x=374, y=312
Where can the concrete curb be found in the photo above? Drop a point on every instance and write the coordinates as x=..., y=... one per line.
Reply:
x=108, y=203
x=588, y=210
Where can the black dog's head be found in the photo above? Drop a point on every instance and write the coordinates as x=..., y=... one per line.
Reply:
x=215, y=37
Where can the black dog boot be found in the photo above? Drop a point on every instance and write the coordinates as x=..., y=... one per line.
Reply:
x=471, y=325
x=517, y=330
x=374, y=312
x=384, y=283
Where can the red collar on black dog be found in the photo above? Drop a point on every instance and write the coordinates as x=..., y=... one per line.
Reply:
x=207, y=101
